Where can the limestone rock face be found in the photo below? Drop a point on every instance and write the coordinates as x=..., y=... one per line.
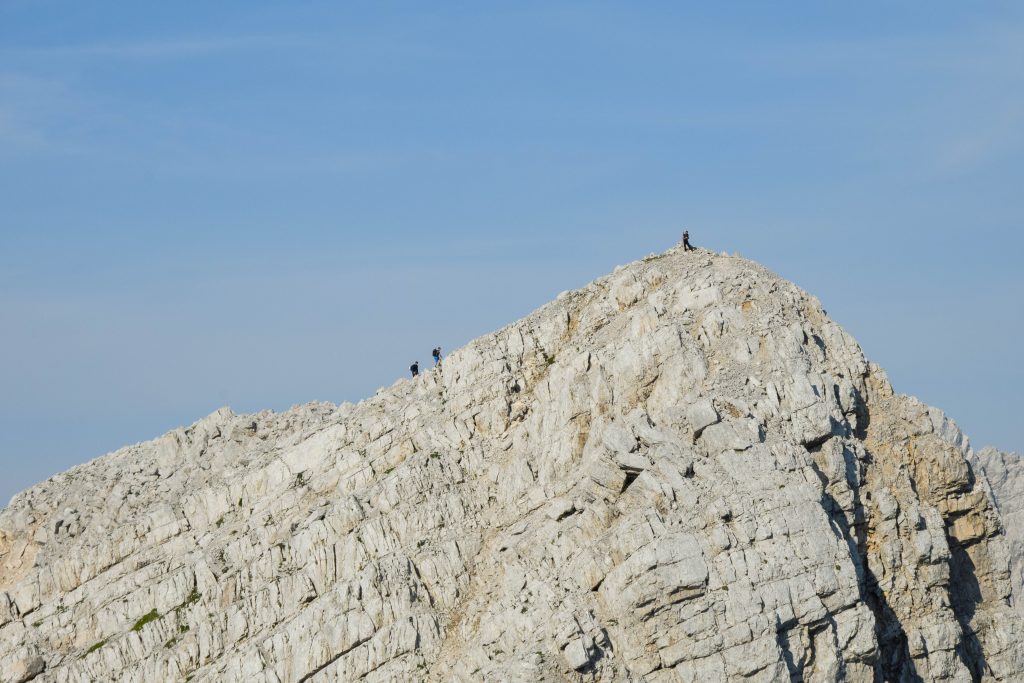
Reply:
x=1004, y=472
x=682, y=472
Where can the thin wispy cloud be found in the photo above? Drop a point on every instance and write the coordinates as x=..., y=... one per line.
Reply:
x=393, y=47
x=983, y=143
x=27, y=107
x=162, y=49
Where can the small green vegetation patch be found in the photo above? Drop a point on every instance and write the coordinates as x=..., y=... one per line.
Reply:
x=96, y=646
x=435, y=454
x=191, y=598
x=149, y=616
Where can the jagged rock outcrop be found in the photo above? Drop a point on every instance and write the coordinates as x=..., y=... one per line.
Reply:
x=682, y=472
x=1005, y=473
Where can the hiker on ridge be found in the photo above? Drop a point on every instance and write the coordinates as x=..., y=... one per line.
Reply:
x=686, y=241
x=437, y=356
x=415, y=368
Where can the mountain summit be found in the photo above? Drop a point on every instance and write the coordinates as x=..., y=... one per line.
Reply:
x=684, y=471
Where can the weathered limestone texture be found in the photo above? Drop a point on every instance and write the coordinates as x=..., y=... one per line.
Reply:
x=1005, y=474
x=682, y=472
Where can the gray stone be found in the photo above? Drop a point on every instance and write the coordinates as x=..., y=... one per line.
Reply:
x=1004, y=472
x=657, y=477
x=700, y=414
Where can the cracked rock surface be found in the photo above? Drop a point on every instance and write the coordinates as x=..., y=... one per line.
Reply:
x=683, y=471
x=1004, y=472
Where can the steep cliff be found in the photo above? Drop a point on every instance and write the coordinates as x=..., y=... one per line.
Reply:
x=682, y=472
x=1005, y=474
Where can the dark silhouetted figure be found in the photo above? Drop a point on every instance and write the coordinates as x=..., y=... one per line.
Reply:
x=415, y=368
x=437, y=356
x=686, y=241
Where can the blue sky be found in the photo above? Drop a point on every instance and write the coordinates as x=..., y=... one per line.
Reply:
x=260, y=204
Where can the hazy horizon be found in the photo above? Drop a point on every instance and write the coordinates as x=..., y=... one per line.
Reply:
x=258, y=205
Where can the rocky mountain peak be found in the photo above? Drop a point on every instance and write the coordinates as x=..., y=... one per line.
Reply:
x=683, y=471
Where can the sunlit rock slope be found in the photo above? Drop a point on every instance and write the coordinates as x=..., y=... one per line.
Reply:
x=683, y=471
x=1005, y=473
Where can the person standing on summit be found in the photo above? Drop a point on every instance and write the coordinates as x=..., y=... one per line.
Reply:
x=686, y=241
x=415, y=368
x=436, y=353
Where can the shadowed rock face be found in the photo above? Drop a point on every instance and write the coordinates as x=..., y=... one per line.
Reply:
x=681, y=472
x=1005, y=473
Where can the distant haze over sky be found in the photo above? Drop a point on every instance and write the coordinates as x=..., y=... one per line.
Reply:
x=262, y=204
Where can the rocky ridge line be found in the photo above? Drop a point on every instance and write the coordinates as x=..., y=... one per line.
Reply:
x=683, y=471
